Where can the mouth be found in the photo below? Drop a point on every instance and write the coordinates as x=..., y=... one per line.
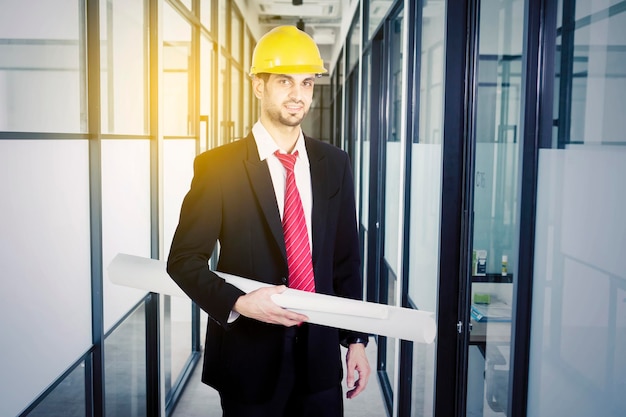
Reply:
x=294, y=107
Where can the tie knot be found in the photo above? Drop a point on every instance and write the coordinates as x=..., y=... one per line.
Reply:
x=287, y=159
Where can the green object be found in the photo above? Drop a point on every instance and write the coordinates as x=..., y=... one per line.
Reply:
x=482, y=298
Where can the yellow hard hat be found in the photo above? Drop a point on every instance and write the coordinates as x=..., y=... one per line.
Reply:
x=287, y=50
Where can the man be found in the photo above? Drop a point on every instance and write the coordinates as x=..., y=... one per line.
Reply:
x=266, y=361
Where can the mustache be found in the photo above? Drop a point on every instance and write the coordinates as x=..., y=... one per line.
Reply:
x=298, y=102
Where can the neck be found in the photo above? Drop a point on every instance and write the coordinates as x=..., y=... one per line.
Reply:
x=284, y=136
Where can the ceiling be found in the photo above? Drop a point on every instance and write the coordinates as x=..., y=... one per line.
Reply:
x=322, y=19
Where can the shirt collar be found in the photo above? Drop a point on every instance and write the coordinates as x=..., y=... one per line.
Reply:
x=266, y=145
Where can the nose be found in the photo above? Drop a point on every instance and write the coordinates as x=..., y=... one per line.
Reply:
x=295, y=92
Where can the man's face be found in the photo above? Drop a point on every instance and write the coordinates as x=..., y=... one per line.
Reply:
x=285, y=98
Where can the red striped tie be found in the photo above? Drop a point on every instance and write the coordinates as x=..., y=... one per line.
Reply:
x=295, y=231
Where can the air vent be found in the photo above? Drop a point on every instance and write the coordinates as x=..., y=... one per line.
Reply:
x=280, y=8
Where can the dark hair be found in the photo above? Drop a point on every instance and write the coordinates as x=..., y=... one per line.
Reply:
x=263, y=75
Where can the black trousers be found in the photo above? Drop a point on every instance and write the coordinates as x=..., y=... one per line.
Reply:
x=288, y=400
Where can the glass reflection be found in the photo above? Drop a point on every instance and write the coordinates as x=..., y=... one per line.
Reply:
x=124, y=64
x=426, y=167
x=495, y=234
x=178, y=155
x=393, y=179
x=176, y=73
x=578, y=331
x=42, y=67
x=377, y=11
x=67, y=399
x=125, y=367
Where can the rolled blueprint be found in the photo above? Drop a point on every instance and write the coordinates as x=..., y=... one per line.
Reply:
x=403, y=323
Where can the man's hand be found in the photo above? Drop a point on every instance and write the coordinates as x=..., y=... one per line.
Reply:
x=258, y=305
x=356, y=361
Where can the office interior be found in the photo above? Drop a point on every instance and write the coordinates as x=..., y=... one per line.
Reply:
x=488, y=150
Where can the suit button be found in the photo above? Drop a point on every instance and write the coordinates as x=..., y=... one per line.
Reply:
x=284, y=280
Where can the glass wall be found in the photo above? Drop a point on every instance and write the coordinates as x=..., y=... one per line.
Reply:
x=177, y=74
x=56, y=404
x=45, y=296
x=125, y=162
x=178, y=155
x=364, y=174
x=497, y=125
x=317, y=122
x=92, y=169
x=124, y=87
x=179, y=149
x=425, y=202
x=578, y=339
x=42, y=67
x=393, y=195
x=208, y=135
x=125, y=372
x=378, y=9
x=125, y=166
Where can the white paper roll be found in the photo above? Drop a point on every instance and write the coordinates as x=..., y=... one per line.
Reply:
x=403, y=323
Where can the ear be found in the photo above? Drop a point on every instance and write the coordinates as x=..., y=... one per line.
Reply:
x=258, y=86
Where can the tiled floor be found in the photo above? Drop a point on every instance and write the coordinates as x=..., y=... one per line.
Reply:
x=199, y=400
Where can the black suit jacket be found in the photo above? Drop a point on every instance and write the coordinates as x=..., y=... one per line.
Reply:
x=232, y=200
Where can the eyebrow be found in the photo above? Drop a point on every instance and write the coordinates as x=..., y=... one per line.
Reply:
x=292, y=79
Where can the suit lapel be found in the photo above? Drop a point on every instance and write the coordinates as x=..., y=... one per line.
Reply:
x=261, y=182
x=319, y=187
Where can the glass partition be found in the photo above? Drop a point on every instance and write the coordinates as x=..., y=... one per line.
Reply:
x=236, y=35
x=125, y=168
x=222, y=21
x=223, y=111
x=495, y=199
x=424, y=215
x=393, y=177
x=378, y=9
x=248, y=100
x=578, y=330
x=125, y=366
x=124, y=61
x=364, y=172
x=178, y=156
x=45, y=297
x=236, y=95
x=42, y=67
x=206, y=13
x=208, y=136
x=67, y=398
x=353, y=44
x=365, y=145
x=177, y=76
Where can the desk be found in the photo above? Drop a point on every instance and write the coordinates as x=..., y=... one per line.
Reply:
x=498, y=332
x=488, y=368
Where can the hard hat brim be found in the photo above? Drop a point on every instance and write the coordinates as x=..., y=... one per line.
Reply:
x=290, y=69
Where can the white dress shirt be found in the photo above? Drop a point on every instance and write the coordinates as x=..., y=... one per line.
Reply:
x=266, y=146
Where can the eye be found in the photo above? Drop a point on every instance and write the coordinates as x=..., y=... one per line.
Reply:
x=308, y=83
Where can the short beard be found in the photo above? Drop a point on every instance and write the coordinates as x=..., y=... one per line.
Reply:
x=286, y=121
x=290, y=121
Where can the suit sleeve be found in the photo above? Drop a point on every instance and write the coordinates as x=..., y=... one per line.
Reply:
x=194, y=240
